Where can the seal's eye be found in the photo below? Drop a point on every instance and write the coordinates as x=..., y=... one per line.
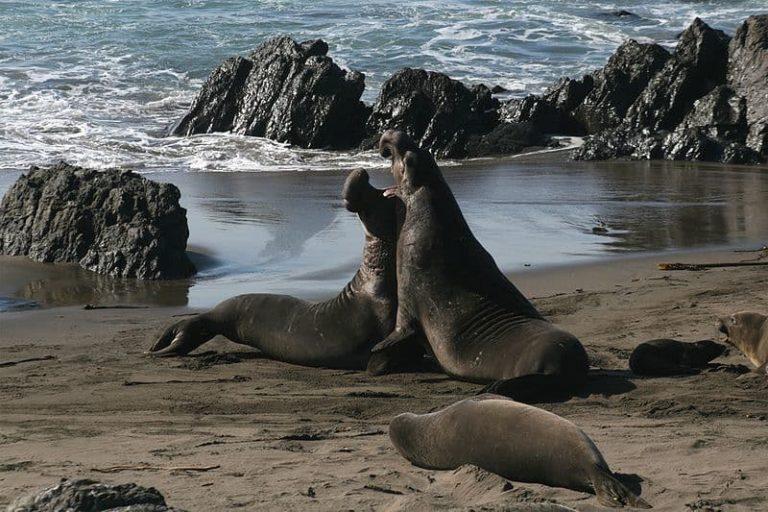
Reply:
x=733, y=320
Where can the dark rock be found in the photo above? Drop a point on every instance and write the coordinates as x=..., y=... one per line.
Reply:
x=113, y=222
x=618, y=85
x=620, y=13
x=90, y=496
x=497, y=89
x=699, y=65
x=720, y=114
x=439, y=113
x=748, y=76
x=284, y=91
x=506, y=139
x=621, y=144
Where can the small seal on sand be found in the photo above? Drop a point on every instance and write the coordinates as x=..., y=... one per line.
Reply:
x=338, y=333
x=748, y=332
x=672, y=357
x=516, y=441
x=479, y=326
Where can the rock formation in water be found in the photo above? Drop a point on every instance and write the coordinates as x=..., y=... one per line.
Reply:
x=112, y=222
x=285, y=91
x=647, y=104
x=708, y=100
x=90, y=496
x=442, y=115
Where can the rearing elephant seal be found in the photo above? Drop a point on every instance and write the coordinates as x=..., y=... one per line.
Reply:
x=516, y=441
x=748, y=332
x=478, y=325
x=338, y=333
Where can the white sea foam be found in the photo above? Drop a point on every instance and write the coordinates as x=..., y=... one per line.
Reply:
x=98, y=83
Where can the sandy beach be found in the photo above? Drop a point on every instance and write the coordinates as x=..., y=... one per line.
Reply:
x=256, y=434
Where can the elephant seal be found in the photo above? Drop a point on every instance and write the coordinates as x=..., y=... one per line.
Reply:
x=672, y=357
x=748, y=332
x=479, y=326
x=337, y=333
x=514, y=440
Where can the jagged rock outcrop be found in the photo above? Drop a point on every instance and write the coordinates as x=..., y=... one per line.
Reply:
x=618, y=85
x=698, y=65
x=112, y=222
x=693, y=109
x=439, y=113
x=90, y=496
x=748, y=76
x=285, y=91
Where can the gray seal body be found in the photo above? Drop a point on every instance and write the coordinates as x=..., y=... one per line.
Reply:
x=478, y=325
x=337, y=333
x=514, y=440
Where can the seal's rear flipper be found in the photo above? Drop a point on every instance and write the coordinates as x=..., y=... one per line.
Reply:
x=533, y=388
x=612, y=493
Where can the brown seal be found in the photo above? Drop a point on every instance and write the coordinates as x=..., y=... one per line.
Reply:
x=748, y=332
x=479, y=326
x=673, y=357
x=337, y=333
x=514, y=440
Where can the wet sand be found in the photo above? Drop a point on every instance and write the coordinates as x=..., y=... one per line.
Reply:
x=280, y=437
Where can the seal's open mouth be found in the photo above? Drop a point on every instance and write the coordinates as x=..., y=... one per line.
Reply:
x=391, y=192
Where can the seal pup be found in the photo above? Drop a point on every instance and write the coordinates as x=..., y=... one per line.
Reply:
x=337, y=333
x=479, y=326
x=514, y=440
x=748, y=332
x=672, y=357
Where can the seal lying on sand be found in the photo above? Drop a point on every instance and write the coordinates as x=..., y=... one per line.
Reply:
x=338, y=333
x=478, y=325
x=748, y=332
x=516, y=441
x=672, y=357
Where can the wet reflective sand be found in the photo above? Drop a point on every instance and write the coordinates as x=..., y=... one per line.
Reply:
x=288, y=232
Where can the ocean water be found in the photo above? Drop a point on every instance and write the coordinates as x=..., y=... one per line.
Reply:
x=96, y=82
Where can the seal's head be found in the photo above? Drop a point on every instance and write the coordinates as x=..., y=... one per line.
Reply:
x=376, y=213
x=711, y=349
x=412, y=167
x=744, y=331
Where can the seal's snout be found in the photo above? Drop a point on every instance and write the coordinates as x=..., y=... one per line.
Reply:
x=722, y=326
x=355, y=187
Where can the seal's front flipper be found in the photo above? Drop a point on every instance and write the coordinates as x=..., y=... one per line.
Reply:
x=532, y=388
x=181, y=338
x=397, y=337
x=402, y=357
x=612, y=493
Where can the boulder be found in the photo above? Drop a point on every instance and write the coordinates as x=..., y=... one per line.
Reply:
x=551, y=112
x=90, y=496
x=618, y=85
x=506, y=139
x=698, y=65
x=439, y=113
x=285, y=91
x=112, y=222
x=748, y=76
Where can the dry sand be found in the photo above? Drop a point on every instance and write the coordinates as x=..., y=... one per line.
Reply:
x=283, y=437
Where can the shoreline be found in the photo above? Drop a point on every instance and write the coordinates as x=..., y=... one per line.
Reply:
x=18, y=272
x=277, y=429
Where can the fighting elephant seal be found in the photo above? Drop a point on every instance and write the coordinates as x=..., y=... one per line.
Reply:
x=479, y=327
x=748, y=332
x=514, y=440
x=672, y=357
x=337, y=333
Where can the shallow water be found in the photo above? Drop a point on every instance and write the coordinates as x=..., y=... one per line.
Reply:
x=96, y=82
x=287, y=232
